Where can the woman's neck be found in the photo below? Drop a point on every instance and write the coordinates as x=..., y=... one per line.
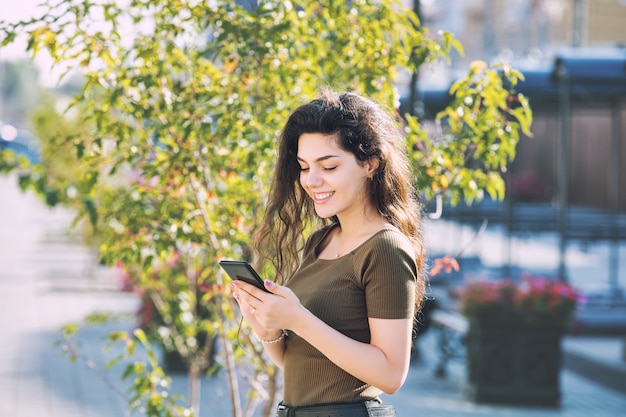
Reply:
x=348, y=235
x=354, y=226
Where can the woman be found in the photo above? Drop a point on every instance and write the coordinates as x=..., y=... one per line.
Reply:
x=340, y=324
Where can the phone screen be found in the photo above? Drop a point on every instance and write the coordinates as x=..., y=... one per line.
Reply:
x=243, y=271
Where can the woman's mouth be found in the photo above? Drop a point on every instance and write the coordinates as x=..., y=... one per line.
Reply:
x=321, y=197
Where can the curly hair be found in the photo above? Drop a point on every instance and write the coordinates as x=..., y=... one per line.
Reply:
x=363, y=128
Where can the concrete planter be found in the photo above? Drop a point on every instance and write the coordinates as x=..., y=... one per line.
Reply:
x=514, y=363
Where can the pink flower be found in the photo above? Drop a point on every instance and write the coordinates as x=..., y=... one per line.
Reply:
x=532, y=299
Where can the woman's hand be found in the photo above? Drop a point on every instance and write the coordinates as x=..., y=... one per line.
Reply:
x=267, y=313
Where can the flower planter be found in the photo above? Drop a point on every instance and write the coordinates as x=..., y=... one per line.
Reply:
x=173, y=363
x=511, y=363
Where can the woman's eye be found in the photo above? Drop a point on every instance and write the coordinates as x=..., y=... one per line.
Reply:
x=329, y=168
x=303, y=169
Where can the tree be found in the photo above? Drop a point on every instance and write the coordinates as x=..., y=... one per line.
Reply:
x=181, y=106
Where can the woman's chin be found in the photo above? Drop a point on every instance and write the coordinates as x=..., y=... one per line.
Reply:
x=325, y=214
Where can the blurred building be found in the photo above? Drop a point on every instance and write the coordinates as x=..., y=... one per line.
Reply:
x=588, y=37
x=517, y=30
x=569, y=179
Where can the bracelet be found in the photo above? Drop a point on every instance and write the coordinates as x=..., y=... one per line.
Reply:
x=283, y=334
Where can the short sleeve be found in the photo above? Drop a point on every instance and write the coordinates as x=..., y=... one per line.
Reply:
x=388, y=274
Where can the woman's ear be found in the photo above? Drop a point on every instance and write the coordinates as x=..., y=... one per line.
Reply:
x=372, y=166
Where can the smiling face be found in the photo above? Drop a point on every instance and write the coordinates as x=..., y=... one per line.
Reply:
x=333, y=177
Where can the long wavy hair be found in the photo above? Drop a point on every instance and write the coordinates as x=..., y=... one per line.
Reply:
x=366, y=130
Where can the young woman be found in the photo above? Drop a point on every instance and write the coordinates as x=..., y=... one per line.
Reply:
x=338, y=320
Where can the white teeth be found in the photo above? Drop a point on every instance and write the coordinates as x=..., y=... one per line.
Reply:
x=321, y=196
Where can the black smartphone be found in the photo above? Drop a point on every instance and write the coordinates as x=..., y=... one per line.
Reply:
x=243, y=271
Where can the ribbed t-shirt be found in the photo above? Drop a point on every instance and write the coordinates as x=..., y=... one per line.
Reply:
x=377, y=280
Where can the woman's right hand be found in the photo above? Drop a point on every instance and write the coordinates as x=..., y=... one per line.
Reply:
x=268, y=313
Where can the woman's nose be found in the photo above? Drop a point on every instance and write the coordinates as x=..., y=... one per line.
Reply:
x=313, y=178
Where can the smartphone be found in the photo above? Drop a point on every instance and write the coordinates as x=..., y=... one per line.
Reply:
x=243, y=271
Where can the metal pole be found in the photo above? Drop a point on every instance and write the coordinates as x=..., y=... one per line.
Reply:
x=563, y=166
x=417, y=9
x=614, y=199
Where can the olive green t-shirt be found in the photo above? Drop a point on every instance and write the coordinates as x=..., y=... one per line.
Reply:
x=375, y=280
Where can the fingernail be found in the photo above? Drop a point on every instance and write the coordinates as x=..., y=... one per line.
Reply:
x=268, y=283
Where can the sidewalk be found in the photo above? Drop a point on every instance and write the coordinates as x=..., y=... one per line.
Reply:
x=47, y=281
x=423, y=394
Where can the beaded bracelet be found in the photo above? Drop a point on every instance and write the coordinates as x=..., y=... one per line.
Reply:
x=283, y=334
